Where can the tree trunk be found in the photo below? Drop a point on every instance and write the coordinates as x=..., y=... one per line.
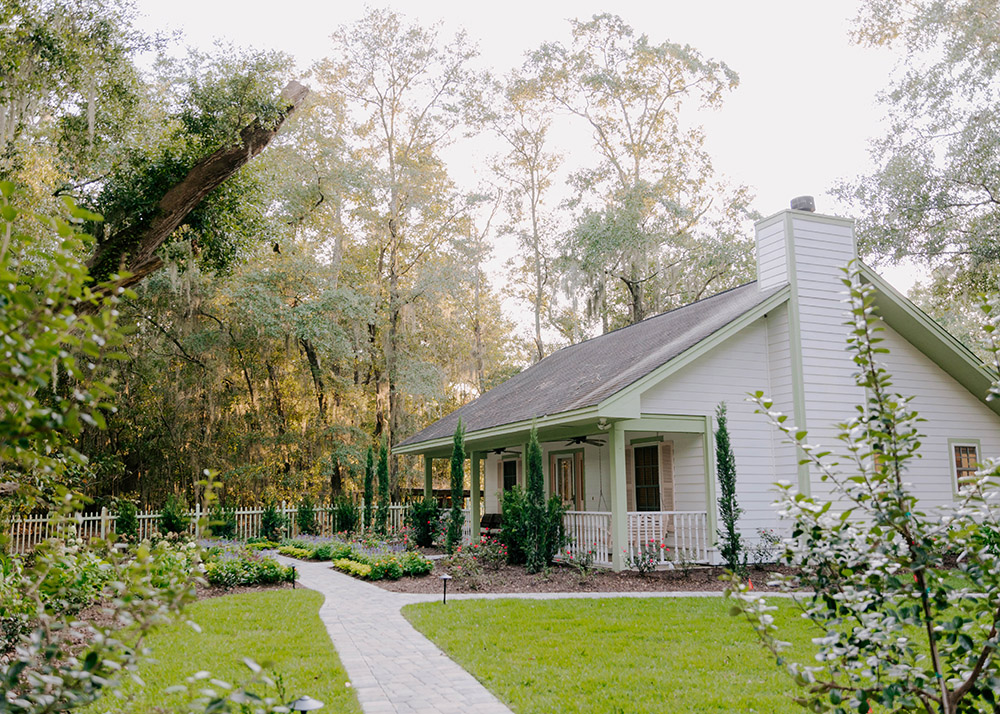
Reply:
x=134, y=249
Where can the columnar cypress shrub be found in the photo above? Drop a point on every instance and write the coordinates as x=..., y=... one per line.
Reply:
x=369, y=489
x=127, y=521
x=731, y=544
x=382, y=513
x=535, y=511
x=305, y=517
x=173, y=517
x=272, y=522
x=456, y=519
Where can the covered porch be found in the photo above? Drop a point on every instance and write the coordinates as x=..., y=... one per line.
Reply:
x=628, y=484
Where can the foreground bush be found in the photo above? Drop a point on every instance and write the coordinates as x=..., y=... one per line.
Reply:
x=904, y=626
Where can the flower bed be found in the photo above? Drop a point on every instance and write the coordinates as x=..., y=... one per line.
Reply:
x=231, y=566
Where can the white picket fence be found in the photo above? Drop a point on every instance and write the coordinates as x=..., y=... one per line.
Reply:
x=25, y=533
x=676, y=536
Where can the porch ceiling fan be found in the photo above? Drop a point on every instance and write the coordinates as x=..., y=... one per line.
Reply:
x=504, y=450
x=577, y=440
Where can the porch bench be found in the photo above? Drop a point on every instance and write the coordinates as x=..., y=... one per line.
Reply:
x=490, y=524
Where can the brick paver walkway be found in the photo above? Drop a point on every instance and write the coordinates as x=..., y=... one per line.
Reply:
x=392, y=667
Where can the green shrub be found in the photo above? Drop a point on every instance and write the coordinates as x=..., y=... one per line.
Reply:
x=518, y=533
x=340, y=551
x=414, y=564
x=272, y=523
x=360, y=570
x=386, y=567
x=127, y=521
x=173, y=517
x=422, y=519
x=222, y=521
x=514, y=533
x=322, y=552
x=261, y=544
x=247, y=568
x=305, y=517
x=345, y=514
x=490, y=552
x=294, y=552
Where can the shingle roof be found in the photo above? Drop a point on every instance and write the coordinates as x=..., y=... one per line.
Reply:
x=585, y=374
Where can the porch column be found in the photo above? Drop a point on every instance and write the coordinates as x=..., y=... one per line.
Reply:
x=428, y=476
x=474, y=496
x=619, y=499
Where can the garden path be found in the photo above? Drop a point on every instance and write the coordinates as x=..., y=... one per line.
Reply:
x=392, y=667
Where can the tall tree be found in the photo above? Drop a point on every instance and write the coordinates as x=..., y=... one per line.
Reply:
x=521, y=114
x=405, y=91
x=935, y=196
x=644, y=224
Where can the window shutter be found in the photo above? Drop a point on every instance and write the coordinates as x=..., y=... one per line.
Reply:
x=552, y=475
x=666, y=476
x=520, y=473
x=667, y=485
x=581, y=500
x=629, y=480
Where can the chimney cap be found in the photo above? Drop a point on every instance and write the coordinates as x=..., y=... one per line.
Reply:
x=804, y=203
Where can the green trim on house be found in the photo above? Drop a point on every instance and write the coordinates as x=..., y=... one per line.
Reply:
x=795, y=350
x=565, y=452
x=677, y=423
x=512, y=434
x=428, y=476
x=645, y=440
x=695, y=352
x=932, y=340
x=952, y=467
x=711, y=506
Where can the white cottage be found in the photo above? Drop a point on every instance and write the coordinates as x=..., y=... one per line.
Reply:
x=626, y=419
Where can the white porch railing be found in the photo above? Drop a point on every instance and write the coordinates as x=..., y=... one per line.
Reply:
x=683, y=535
x=589, y=531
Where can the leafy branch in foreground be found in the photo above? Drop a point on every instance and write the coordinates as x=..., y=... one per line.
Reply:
x=906, y=603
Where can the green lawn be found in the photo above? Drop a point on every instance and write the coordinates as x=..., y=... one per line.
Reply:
x=615, y=655
x=281, y=627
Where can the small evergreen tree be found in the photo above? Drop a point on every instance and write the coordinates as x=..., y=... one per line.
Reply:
x=222, y=520
x=456, y=519
x=127, y=521
x=345, y=514
x=731, y=548
x=535, y=511
x=305, y=517
x=369, y=489
x=382, y=513
x=173, y=517
x=272, y=523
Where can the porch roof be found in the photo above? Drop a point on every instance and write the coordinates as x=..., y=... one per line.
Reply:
x=581, y=376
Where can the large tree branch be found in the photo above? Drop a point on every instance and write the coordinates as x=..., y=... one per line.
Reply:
x=134, y=249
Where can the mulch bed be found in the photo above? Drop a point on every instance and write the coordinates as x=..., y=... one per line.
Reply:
x=564, y=579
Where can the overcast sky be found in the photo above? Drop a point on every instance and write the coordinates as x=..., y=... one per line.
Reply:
x=800, y=120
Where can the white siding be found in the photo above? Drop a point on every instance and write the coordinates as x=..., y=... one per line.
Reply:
x=772, y=261
x=727, y=373
x=822, y=249
x=951, y=413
